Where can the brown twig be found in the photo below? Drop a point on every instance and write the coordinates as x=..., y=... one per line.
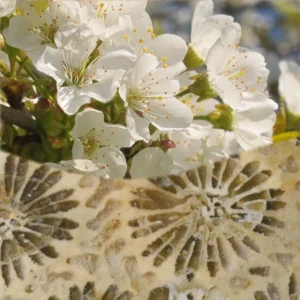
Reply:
x=19, y=118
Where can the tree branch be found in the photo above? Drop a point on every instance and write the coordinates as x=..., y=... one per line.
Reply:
x=19, y=118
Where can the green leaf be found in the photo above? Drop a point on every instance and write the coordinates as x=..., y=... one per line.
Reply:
x=34, y=151
x=8, y=133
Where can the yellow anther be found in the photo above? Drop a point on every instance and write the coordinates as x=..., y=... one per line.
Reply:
x=126, y=37
x=134, y=29
x=165, y=66
x=141, y=41
x=102, y=5
x=144, y=50
x=153, y=35
x=149, y=30
x=164, y=59
x=160, y=98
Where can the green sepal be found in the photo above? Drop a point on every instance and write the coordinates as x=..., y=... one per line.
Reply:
x=192, y=60
x=292, y=121
x=8, y=133
x=202, y=88
x=51, y=120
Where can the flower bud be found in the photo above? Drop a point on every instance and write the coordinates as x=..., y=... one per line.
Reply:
x=167, y=144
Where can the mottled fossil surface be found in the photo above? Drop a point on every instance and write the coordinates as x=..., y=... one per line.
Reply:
x=228, y=230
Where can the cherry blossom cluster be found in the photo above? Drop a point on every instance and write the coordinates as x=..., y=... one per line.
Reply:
x=113, y=98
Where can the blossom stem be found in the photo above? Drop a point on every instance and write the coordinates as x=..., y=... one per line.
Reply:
x=26, y=68
x=286, y=136
x=21, y=65
x=183, y=93
x=16, y=117
x=203, y=118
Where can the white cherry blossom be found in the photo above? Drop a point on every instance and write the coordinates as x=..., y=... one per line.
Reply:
x=199, y=144
x=98, y=142
x=78, y=77
x=151, y=162
x=207, y=28
x=149, y=92
x=34, y=30
x=253, y=121
x=113, y=16
x=233, y=71
x=289, y=85
x=168, y=48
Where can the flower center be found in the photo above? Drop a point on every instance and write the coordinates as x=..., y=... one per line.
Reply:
x=134, y=97
x=104, y=9
x=74, y=76
x=45, y=32
x=90, y=142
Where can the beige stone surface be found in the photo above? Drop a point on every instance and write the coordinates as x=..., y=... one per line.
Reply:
x=228, y=230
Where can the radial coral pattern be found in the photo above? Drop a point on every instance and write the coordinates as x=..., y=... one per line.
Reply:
x=226, y=230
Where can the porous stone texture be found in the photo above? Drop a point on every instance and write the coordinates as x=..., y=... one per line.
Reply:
x=226, y=230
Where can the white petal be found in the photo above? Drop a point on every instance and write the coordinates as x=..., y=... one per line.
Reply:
x=116, y=136
x=168, y=46
x=114, y=161
x=98, y=27
x=7, y=7
x=63, y=12
x=256, y=120
x=163, y=88
x=189, y=144
x=248, y=140
x=138, y=127
x=255, y=74
x=253, y=126
x=50, y=64
x=202, y=108
x=77, y=149
x=144, y=65
x=251, y=100
x=169, y=113
x=84, y=166
x=289, y=85
x=151, y=162
x=76, y=43
x=70, y=99
x=87, y=120
x=116, y=58
x=205, y=36
x=227, y=91
x=222, y=51
x=203, y=10
x=124, y=22
x=18, y=33
x=168, y=73
x=102, y=91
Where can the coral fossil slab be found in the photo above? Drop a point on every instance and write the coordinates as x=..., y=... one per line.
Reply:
x=228, y=230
